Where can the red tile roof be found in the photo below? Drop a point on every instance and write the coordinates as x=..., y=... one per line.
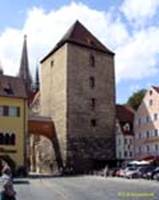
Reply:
x=125, y=114
x=12, y=87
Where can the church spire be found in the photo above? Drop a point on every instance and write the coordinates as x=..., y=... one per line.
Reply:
x=24, y=72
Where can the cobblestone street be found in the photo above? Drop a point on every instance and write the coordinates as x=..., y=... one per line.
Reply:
x=85, y=188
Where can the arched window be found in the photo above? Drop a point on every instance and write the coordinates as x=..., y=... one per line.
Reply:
x=12, y=139
x=7, y=139
x=1, y=138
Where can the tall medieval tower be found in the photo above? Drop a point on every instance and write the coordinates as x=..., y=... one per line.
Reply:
x=78, y=92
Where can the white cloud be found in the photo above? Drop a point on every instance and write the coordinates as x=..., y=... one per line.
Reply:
x=139, y=11
x=137, y=58
x=135, y=54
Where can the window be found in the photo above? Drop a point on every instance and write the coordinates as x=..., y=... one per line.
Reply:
x=147, y=118
x=156, y=132
x=7, y=139
x=130, y=141
x=147, y=134
x=150, y=92
x=5, y=111
x=119, y=154
x=92, y=82
x=130, y=153
x=150, y=102
x=1, y=138
x=119, y=141
x=92, y=60
x=156, y=147
x=125, y=154
x=126, y=127
x=148, y=148
x=125, y=140
x=12, y=139
x=1, y=110
x=93, y=122
x=8, y=89
x=12, y=111
x=93, y=103
x=155, y=116
x=52, y=63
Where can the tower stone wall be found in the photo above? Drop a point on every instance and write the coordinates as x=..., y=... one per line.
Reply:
x=88, y=143
x=78, y=92
x=54, y=94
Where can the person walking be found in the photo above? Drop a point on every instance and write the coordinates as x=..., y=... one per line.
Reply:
x=8, y=192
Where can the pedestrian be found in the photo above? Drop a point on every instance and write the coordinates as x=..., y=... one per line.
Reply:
x=106, y=171
x=8, y=192
x=6, y=170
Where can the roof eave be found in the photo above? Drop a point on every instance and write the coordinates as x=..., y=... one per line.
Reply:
x=106, y=51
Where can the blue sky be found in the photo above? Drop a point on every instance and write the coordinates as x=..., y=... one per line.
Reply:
x=128, y=27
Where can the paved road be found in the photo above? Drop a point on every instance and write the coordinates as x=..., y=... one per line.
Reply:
x=86, y=188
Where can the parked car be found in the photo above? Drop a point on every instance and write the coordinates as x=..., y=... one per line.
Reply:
x=155, y=174
x=120, y=172
x=147, y=171
x=132, y=172
x=151, y=173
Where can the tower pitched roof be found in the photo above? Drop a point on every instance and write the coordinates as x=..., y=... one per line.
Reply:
x=24, y=72
x=80, y=35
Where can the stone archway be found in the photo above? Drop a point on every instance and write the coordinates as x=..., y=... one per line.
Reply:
x=38, y=127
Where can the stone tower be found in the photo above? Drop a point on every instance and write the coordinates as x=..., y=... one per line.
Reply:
x=24, y=71
x=78, y=92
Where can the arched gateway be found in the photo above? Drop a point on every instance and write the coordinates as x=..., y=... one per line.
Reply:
x=44, y=126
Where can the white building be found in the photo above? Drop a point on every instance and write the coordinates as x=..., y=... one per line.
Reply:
x=124, y=133
x=146, y=125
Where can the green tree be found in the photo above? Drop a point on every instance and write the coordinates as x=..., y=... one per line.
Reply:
x=136, y=98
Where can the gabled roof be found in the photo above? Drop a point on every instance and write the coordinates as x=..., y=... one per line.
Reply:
x=156, y=88
x=12, y=87
x=124, y=115
x=79, y=35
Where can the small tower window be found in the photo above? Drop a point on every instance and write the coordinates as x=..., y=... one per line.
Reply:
x=93, y=122
x=93, y=103
x=92, y=60
x=52, y=63
x=92, y=82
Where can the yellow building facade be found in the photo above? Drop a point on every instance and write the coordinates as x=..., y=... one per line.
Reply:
x=13, y=120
